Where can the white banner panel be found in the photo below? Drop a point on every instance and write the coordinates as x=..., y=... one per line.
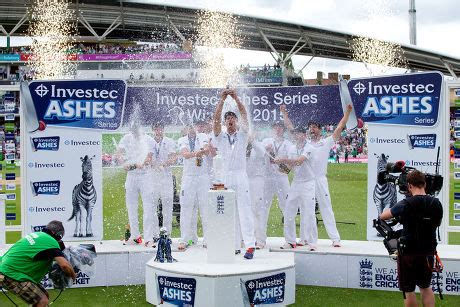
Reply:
x=57, y=178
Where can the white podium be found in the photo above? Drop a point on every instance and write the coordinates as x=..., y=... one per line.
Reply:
x=221, y=225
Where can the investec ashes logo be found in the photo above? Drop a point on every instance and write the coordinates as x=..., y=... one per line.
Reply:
x=427, y=141
x=45, y=187
x=50, y=143
x=177, y=291
x=389, y=100
x=266, y=290
x=77, y=103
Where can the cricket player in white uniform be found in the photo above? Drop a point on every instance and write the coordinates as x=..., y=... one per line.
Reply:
x=255, y=167
x=322, y=146
x=133, y=152
x=231, y=145
x=204, y=130
x=301, y=193
x=276, y=181
x=163, y=156
x=195, y=185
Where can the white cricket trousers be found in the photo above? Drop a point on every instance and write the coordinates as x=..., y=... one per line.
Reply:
x=325, y=207
x=301, y=194
x=259, y=208
x=194, y=190
x=277, y=185
x=244, y=221
x=137, y=182
x=163, y=189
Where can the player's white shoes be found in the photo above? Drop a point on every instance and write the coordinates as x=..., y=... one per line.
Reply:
x=288, y=245
x=260, y=245
x=336, y=244
x=136, y=241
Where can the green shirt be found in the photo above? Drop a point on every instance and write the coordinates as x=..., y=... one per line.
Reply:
x=18, y=262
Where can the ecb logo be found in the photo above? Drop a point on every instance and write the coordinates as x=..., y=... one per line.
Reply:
x=365, y=273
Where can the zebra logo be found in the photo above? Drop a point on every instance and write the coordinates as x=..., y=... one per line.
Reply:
x=384, y=193
x=84, y=197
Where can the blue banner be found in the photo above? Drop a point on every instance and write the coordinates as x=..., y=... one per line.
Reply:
x=411, y=99
x=180, y=106
x=95, y=104
x=50, y=143
x=177, y=291
x=266, y=290
x=46, y=187
x=422, y=141
x=10, y=57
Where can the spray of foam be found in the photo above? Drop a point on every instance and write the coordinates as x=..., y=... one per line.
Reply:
x=377, y=55
x=216, y=31
x=51, y=27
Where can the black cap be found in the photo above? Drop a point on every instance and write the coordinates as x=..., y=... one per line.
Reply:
x=230, y=113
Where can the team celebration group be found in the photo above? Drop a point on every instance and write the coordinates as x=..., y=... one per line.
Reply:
x=256, y=169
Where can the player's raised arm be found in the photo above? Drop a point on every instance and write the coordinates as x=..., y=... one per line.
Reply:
x=342, y=123
x=242, y=109
x=287, y=122
x=217, y=118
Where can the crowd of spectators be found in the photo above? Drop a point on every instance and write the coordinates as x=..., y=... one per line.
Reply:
x=351, y=145
x=266, y=71
x=106, y=49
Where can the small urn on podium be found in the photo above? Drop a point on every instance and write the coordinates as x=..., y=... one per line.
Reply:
x=218, y=165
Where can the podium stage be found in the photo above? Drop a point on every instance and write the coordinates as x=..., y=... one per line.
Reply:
x=357, y=264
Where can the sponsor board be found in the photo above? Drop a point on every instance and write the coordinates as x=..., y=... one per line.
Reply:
x=10, y=216
x=38, y=228
x=10, y=176
x=177, y=291
x=422, y=141
x=456, y=175
x=95, y=104
x=45, y=187
x=456, y=206
x=266, y=290
x=9, y=117
x=10, y=166
x=408, y=100
x=10, y=156
x=456, y=216
x=49, y=143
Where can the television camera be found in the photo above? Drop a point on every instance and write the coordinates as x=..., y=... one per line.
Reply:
x=434, y=184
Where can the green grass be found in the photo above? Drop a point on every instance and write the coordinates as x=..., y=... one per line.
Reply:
x=305, y=296
x=348, y=186
x=348, y=191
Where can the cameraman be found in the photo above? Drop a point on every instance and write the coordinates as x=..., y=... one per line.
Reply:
x=420, y=215
x=25, y=264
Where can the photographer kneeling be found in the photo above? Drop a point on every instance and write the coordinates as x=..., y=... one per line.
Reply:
x=420, y=215
x=26, y=263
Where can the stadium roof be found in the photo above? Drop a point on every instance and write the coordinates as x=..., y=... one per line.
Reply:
x=105, y=19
